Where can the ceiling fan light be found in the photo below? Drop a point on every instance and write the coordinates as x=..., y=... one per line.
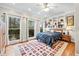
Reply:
x=29, y=9
x=46, y=9
x=13, y=3
x=52, y=7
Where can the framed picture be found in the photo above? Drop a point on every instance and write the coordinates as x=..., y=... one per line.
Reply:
x=70, y=21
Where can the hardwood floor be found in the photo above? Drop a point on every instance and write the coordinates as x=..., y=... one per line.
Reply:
x=70, y=50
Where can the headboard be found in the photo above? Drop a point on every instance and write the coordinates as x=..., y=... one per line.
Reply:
x=58, y=30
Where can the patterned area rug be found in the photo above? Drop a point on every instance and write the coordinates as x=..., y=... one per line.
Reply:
x=35, y=48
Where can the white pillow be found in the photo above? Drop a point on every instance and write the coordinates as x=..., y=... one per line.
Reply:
x=52, y=30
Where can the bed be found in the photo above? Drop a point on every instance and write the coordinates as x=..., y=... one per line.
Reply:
x=36, y=48
x=49, y=37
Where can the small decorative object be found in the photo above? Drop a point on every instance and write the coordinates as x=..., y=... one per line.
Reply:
x=50, y=20
x=61, y=22
x=49, y=23
x=45, y=24
x=70, y=21
x=53, y=26
x=64, y=33
x=55, y=23
x=67, y=32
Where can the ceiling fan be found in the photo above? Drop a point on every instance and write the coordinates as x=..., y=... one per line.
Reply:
x=47, y=6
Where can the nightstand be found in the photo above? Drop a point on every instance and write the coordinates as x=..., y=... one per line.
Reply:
x=66, y=38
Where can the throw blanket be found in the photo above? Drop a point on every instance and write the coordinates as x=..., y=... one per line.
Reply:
x=48, y=37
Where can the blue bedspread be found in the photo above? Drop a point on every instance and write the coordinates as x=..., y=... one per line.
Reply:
x=48, y=37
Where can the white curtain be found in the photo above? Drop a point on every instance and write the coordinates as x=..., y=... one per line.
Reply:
x=2, y=37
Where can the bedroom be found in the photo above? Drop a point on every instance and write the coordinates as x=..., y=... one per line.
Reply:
x=39, y=29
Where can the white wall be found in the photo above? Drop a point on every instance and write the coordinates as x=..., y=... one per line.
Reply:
x=23, y=29
x=77, y=29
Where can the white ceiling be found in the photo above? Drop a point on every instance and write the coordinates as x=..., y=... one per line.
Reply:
x=35, y=9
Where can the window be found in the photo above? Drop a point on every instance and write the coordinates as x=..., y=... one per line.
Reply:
x=31, y=28
x=3, y=17
x=41, y=26
x=14, y=28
